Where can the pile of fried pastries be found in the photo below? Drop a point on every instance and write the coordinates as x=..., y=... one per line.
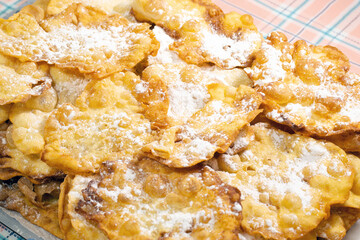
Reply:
x=169, y=119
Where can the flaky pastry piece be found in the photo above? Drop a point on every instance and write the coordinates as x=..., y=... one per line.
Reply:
x=342, y=216
x=172, y=93
x=349, y=141
x=21, y=80
x=195, y=119
x=68, y=84
x=288, y=181
x=306, y=87
x=203, y=32
x=23, y=141
x=104, y=124
x=37, y=203
x=354, y=198
x=231, y=77
x=335, y=227
x=4, y=113
x=81, y=37
x=73, y=225
x=57, y=6
x=148, y=200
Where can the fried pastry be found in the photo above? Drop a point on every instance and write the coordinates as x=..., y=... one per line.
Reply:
x=57, y=6
x=283, y=177
x=73, y=225
x=123, y=7
x=196, y=115
x=335, y=227
x=105, y=123
x=37, y=203
x=232, y=77
x=349, y=141
x=306, y=87
x=69, y=84
x=354, y=199
x=24, y=140
x=4, y=113
x=98, y=45
x=5, y=173
x=149, y=201
x=204, y=33
x=15, y=87
x=147, y=107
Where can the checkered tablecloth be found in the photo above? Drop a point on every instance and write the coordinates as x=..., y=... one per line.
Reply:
x=319, y=22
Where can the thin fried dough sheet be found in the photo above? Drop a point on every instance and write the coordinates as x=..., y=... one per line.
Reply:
x=283, y=177
x=53, y=7
x=335, y=227
x=23, y=140
x=349, y=141
x=104, y=124
x=307, y=87
x=148, y=200
x=57, y=6
x=81, y=37
x=68, y=84
x=37, y=203
x=15, y=87
x=196, y=115
x=204, y=33
x=172, y=93
x=354, y=199
x=232, y=77
x=73, y=225
x=21, y=80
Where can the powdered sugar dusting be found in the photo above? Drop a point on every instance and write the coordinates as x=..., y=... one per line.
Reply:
x=232, y=51
x=154, y=216
x=164, y=54
x=186, y=99
x=13, y=85
x=273, y=66
x=269, y=179
x=351, y=110
x=75, y=43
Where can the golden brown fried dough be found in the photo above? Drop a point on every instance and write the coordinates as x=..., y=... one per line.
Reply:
x=69, y=84
x=30, y=200
x=349, y=141
x=23, y=141
x=307, y=87
x=283, y=177
x=354, y=199
x=335, y=227
x=4, y=113
x=204, y=33
x=16, y=87
x=73, y=225
x=197, y=116
x=150, y=201
x=105, y=123
x=80, y=37
x=57, y=6
x=172, y=93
